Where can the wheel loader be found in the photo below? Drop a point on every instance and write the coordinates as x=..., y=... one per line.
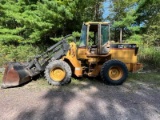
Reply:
x=93, y=55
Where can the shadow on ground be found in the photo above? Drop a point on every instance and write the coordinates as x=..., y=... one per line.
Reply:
x=93, y=100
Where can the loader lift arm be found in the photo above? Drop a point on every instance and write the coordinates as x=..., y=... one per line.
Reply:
x=54, y=52
x=20, y=73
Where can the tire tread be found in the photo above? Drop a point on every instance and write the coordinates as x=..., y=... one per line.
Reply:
x=64, y=66
x=105, y=77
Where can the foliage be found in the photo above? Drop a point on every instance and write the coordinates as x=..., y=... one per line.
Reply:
x=27, y=21
x=149, y=16
x=139, y=20
x=123, y=13
x=135, y=39
x=25, y=24
x=151, y=36
x=28, y=25
x=150, y=56
x=73, y=37
x=19, y=53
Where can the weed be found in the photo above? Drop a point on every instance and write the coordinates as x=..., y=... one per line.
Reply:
x=152, y=78
x=150, y=56
x=20, y=53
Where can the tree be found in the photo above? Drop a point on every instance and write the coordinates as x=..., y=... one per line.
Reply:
x=149, y=19
x=123, y=14
x=28, y=21
x=139, y=19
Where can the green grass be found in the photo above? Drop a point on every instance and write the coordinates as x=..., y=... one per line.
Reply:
x=151, y=79
x=21, y=53
x=145, y=77
x=150, y=56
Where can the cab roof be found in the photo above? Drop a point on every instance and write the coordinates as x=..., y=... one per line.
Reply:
x=96, y=23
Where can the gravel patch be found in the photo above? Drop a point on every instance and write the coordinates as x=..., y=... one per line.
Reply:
x=85, y=101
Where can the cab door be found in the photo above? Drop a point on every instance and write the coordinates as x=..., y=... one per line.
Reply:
x=82, y=45
x=104, y=31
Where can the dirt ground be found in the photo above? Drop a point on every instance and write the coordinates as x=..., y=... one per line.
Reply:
x=82, y=100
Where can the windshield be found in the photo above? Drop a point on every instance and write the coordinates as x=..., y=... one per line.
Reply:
x=104, y=33
x=83, y=36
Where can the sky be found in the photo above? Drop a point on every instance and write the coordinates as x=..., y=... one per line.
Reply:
x=106, y=9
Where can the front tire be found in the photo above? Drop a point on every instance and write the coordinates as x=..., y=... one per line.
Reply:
x=114, y=72
x=58, y=72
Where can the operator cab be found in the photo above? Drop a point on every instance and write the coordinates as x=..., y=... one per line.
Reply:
x=95, y=37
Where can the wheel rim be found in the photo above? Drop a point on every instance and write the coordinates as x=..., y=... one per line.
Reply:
x=57, y=74
x=115, y=73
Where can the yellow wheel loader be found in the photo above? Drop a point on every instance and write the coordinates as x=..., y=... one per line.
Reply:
x=92, y=55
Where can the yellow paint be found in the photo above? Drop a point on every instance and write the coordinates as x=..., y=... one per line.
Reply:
x=76, y=55
x=104, y=23
x=82, y=53
x=95, y=71
x=125, y=55
x=72, y=57
x=115, y=73
x=133, y=67
x=57, y=74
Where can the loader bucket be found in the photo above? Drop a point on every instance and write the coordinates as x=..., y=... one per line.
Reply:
x=15, y=74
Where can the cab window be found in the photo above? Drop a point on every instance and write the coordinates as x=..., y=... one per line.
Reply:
x=104, y=34
x=83, y=36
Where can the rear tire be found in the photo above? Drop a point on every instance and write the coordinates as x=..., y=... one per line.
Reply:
x=58, y=72
x=114, y=72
